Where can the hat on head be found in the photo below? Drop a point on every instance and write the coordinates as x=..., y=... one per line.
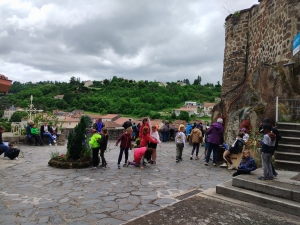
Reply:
x=219, y=120
x=266, y=121
x=244, y=129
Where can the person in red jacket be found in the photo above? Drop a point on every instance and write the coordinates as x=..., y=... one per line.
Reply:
x=139, y=154
x=144, y=124
x=146, y=137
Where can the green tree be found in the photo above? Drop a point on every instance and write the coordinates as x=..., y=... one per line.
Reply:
x=18, y=115
x=184, y=116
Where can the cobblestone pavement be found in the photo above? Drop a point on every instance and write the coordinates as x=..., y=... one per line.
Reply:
x=31, y=192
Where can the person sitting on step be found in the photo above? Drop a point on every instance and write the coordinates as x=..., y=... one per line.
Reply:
x=235, y=148
x=247, y=164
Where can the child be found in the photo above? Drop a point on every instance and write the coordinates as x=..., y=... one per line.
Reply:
x=139, y=154
x=196, y=136
x=180, y=143
x=36, y=134
x=247, y=164
x=146, y=137
x=125, y=139
x=3, y=147
x=267, y=150
x=235, y=148
x=95, y=147
x=103, y=145
x=13, y=153
x=154, y=134
x=246, y=136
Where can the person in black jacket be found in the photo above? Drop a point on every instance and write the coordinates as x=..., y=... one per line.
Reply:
x=46, y=132
x=28, y=133
x=235, y=148
x=103, y=146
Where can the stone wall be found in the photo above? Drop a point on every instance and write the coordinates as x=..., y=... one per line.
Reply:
x=258, y=44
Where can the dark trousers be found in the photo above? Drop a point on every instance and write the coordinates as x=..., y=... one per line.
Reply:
x=30, y=138
x=37, y=139
x=121, y=155
x=95, y=157
x=195, y=147
x=212, y=148
x=238, y=172
x=171, y=133
x=102, y=157
x=164, y=136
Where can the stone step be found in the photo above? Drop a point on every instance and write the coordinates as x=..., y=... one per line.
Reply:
x=290, y=140
x=288, y=148
x=289, y=133
x=288, y=126
x=287, y=165
x=274, y=188
x=272, y=202
x=288, y=156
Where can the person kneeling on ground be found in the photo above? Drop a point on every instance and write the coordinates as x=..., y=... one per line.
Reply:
x=139, y=155
x=13, y=153
x=235, y=148
x=247, y=164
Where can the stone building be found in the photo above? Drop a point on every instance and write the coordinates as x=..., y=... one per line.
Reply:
x=259, y=63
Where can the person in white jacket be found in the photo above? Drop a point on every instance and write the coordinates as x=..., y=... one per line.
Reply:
x=154, y=134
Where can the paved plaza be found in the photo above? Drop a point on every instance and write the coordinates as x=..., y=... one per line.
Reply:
x=31, y=192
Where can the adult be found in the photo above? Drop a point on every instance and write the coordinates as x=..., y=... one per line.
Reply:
x=134, y=131
x=188, y=129
x=144, y=124
x=138, y=130
x=3, y=147
x=28, y=132
x=172, y=131
x=127, y=124
x=214, y=140
x=46, y=132
x=99, y=125
x=164, y=131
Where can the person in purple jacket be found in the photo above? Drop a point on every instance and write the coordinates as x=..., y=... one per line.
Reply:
x=215, y=139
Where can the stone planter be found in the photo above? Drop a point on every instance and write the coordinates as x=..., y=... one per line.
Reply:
x=70, y=164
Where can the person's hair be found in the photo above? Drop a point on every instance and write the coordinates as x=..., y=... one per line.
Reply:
x=153, y=127
x=181, y=127
x=94, y=131
x=144, y=120
x=11, y=145
x=241, y=135
x=246, y=151
x=104, y=130
x=145, y=130
x=129, y=129
x=2, y=128
x=219, y=120
x=148, y=154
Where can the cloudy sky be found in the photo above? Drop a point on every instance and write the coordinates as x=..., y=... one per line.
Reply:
x=162, y=40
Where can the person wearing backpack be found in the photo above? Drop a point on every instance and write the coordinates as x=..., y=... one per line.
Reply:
x=95, y=147
x=197, y=138
x=235, y=148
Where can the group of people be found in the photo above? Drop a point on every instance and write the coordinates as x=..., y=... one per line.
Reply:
x=9, y=151
x=33, y=132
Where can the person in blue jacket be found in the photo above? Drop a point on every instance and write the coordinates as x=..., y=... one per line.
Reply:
x=247, y=164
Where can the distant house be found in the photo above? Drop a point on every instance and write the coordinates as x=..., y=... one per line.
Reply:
x=105, y=118
x=190, y=110
x=68, y=122
x=78, y=111
x=191, y=103
x=88, y=83
x=207, y=109
x=59, y=96
x=181, y=83
x=57, y=112
x=9, y=112
x=162, y=84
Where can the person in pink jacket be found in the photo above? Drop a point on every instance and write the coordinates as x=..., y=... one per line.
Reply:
x=139, y=154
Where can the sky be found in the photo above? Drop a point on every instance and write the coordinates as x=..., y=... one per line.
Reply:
x=150, y=40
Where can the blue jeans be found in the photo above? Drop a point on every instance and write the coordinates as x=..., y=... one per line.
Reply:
x=121, y=154
x=50, y=138
x=4, y=149
x=164, y=136
x=215, y=149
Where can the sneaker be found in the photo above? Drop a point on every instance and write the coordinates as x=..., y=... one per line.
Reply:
x=119, y=166
x=214, y=164
x=127, y=163
x=231, y=167
x=54, y=141
x=261, y=178
x=153, y=162
x=177, y=160
x=206, y=164
x=181, y=159
x=224, y=165
x=269, y=178
x=50, y=145
x=191, y=157
x=197, y=158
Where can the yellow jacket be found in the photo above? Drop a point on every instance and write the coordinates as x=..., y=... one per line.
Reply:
x=93, y=142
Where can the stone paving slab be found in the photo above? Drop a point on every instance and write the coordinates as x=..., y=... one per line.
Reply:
x=31, y=192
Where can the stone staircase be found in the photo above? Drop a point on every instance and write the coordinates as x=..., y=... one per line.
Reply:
x=282, y=194
x=287, y=156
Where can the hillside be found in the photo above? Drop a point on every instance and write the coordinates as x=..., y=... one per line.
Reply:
x=118, y=96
